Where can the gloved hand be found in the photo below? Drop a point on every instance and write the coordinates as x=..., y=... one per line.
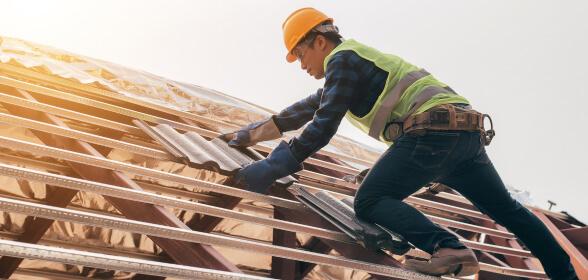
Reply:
x=259, y=176
x=251, y=134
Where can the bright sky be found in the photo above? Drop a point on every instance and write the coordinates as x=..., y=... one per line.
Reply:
x=522, y=61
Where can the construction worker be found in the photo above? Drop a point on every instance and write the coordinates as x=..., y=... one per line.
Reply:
x=433, y=133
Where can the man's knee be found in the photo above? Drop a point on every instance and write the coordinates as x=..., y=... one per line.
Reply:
x=365, y=208
x=359, y=207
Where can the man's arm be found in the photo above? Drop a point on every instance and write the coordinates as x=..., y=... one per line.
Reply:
x=341, y=87
x=291, y=118
x=299, y=113
x=337, y=96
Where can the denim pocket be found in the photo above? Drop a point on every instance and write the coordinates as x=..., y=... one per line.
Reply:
x=433, y=149
x=482, y=156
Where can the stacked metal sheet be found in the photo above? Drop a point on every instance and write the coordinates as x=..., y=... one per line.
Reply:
x=340, y=213
x=197, y=152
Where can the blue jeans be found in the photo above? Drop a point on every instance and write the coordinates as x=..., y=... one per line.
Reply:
x=457, y=159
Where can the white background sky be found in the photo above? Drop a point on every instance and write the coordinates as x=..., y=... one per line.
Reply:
x=522, y=62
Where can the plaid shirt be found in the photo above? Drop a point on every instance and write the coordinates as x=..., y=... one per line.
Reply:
x=351, y=83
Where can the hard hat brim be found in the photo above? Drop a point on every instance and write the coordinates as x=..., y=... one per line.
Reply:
x=290, y=57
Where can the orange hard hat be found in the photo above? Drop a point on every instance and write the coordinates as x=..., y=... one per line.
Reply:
x=297, y=25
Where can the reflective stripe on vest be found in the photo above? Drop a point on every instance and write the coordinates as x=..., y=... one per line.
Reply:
x=408, y=90
x=379, y=121
x=384, y=111
x=393, y=129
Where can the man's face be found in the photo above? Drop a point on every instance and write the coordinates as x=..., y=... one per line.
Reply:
x=311, y=54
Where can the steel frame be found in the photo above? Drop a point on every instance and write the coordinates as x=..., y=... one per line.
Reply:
x=508, y=259
x=194, y=254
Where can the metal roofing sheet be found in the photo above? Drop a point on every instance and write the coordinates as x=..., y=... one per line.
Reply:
x=200, y=153
x=340, y=213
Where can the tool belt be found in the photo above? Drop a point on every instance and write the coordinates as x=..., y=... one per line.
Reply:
x=449, y=117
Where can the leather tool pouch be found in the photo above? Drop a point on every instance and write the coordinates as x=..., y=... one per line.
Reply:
x=449, y=117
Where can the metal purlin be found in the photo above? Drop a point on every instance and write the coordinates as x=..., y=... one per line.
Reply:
x=88, y=137
x=149, y=118
x=165, y=156
x=78, y=113
x=142, y=171
x=75, y=257
x=73, y=216
x=125, y=146
x=23, y=72
x=513, y=271
x=99, y=140
x=154, y=153
x=109, y=190
x=94, y=139
x=25, y=103
x=182, y=252
x=108, y=124
x=142, y=196
x=107, y=142
x=116, y=144
x=139, y=196
x=104, y=141
x=150, y=173
x=114, y=95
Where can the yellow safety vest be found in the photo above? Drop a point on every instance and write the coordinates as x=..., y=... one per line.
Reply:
x=409, y=90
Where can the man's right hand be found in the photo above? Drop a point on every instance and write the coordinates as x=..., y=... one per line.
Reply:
x=251, y=134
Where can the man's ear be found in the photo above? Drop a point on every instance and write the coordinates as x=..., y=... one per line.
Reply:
x=321, y=41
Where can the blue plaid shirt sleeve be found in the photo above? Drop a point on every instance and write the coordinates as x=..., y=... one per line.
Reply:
x=326, y=108
x=300, y=113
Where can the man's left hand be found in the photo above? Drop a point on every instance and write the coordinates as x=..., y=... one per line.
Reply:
x=259, y=176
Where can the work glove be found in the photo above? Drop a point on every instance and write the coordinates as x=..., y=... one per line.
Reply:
x=251, y=134
x=260, y=175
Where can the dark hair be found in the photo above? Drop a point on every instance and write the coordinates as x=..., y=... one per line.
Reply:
x=332, y=37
